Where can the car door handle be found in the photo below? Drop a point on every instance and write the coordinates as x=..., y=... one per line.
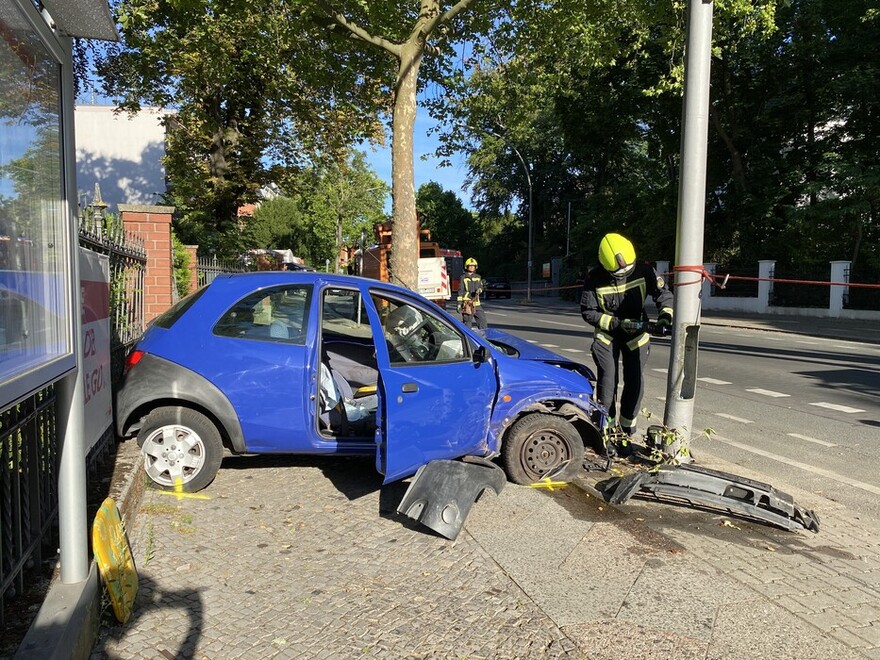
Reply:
x=409, y=388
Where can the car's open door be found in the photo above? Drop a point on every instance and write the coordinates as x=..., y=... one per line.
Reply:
x=438, y=395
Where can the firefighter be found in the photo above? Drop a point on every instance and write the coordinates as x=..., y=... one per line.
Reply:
x=470, y=289
x=613, y=302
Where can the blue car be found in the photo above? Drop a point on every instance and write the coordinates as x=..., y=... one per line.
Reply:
x=311, y=363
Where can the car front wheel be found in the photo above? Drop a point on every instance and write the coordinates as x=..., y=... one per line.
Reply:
x=538, y=443
x=182, y=448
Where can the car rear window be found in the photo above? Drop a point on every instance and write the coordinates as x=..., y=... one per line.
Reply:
x=280, y=315
x=169, y=317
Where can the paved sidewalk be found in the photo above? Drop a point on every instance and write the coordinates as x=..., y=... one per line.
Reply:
x=305, y=558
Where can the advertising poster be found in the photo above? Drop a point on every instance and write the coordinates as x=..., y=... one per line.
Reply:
x=95, y=360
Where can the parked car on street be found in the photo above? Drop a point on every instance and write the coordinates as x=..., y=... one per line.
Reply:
x=313, y=363
x=498, y=287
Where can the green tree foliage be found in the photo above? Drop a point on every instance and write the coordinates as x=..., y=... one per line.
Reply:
x=181, y=266
x=325, y=207
x=450, y=223
x=251, y=84
x=590, y=94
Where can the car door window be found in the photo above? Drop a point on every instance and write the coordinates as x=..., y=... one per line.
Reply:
x=276, y=315
x=414, y=334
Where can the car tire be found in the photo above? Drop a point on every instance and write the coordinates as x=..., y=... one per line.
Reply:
x=538, y=443
x=181, y=447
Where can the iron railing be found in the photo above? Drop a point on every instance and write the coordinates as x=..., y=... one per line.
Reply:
x=210, y=267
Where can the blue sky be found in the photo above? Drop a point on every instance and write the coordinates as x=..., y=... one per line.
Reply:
x=427, y=169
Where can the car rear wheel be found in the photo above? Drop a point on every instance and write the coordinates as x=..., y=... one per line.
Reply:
x=538, y=443
x=182, y=448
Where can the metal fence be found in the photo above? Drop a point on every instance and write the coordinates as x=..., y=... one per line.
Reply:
x=28, y=492
x=796, y=294
x=106, y=235
x=863, y=297
x=210, y=267
x=28, y=437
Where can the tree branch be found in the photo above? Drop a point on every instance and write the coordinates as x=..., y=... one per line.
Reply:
x=428, y=27
x=358, y=32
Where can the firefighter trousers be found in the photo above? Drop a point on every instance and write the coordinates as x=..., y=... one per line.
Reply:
x=608, y=352
x=478, y=318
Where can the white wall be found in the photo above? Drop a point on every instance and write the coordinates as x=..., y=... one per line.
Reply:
x=121, y=153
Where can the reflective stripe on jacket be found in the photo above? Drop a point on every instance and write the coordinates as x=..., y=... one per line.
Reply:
x=471, y=288
x=606, y=301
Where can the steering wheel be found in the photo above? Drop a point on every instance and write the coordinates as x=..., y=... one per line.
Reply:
x=415, y=347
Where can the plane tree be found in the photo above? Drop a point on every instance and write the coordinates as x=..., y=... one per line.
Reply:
x=405, y=45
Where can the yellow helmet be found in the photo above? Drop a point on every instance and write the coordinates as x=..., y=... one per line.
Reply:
x=617, y=255
x=470, y=262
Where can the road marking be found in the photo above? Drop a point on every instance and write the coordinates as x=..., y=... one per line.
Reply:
x=714, y=381
x=582, y=326
x=549, y=345
x=810, y=343
x=758, y=390
x=835, y=406
x=802, y=466
x=495, y=313
x=662, y=371
x=774, y=338
x=809, y=439
x=572, y=350
x=735, y=419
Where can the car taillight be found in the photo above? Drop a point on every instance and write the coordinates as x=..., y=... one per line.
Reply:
x=133, y=358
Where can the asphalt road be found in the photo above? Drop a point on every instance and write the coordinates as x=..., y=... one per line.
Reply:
x=804, y=411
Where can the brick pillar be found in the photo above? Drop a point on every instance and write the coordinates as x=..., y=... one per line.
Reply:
x=153, y=225
x=192, y=251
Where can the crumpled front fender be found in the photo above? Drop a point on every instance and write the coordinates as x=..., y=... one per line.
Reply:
x=442, y=492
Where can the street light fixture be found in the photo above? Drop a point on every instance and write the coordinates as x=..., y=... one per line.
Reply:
x=529, y=181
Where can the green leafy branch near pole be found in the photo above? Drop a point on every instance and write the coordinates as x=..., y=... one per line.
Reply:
x=661, y=439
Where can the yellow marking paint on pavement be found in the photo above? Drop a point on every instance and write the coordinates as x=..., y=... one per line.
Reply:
x=549, y=485
x=180, y=495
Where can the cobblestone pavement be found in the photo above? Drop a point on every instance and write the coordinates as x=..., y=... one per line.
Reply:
x=295, y=558
x=305, y=558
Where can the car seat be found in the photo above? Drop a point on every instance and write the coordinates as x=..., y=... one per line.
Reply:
x=341, y=413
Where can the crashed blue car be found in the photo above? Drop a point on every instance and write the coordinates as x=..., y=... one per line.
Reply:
x=311, y=363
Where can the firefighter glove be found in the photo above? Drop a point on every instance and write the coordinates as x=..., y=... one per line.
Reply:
x=631, y=326
x=664, y=320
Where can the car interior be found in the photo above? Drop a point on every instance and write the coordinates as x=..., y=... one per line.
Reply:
x=348, y=353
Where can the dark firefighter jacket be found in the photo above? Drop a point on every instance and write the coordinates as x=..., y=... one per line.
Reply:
x=471, y=288
x=606, y=301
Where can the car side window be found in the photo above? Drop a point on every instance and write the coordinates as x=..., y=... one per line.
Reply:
x=413, y=334
x=277, y=315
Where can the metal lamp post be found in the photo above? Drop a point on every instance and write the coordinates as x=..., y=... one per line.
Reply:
x=529, y=181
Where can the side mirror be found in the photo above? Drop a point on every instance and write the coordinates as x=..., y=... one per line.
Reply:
x=480, y=355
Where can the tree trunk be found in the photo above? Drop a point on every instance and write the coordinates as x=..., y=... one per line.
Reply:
x=405, y=249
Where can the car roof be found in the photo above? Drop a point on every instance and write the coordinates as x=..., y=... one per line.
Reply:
x=265, y=278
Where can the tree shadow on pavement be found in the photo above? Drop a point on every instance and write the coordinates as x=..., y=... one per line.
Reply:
x=150, y=598
x=353, y=476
